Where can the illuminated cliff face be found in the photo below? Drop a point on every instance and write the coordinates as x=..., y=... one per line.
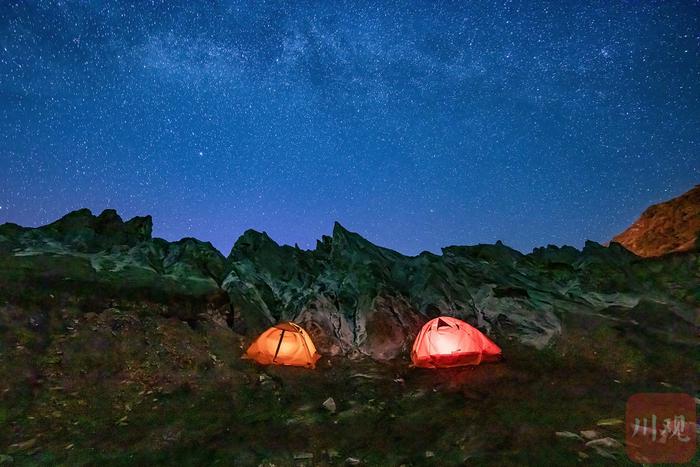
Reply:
x=667, y=227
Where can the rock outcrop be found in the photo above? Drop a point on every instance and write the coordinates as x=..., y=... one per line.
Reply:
x=352, y=296
x=669, y=227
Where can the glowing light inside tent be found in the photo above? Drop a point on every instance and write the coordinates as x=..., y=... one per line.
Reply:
x=289, y=345
x=447, y=342
x=284, y=344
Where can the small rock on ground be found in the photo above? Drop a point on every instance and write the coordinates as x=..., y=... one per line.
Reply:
x=568, y=435
x=609, y=422
x=605, y=443
x=603, y=446
x=329, y=405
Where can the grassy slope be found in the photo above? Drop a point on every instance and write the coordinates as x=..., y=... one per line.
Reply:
x=130, y=387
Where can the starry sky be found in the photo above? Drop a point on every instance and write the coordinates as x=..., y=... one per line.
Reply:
x=417, y=124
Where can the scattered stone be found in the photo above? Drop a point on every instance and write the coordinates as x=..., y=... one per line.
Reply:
x=329, y=405
x=589, y=434
x=609, y=422
x=605, y=443
x=352, y=461
x=28, y=444
x=568, y=435
x=429, y=454
x=602, y=446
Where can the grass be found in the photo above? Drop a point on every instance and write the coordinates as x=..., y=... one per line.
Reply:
x=131, y=387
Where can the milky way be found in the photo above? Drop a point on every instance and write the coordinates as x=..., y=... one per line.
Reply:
x=417, y=124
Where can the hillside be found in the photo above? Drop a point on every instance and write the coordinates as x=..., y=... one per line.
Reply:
x=121, y=348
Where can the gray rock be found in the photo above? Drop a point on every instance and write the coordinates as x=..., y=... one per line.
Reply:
x=604, y=446
x=329, y=405
x=609, y=443
x=589, y=434
x=568, y=435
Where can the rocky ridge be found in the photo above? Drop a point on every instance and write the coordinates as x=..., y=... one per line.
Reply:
x=352, y=296
x=123, y=349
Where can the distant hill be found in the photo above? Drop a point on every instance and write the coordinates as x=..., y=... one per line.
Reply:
x=669, y=227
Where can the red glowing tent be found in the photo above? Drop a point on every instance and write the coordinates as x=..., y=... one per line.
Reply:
x=448, y=342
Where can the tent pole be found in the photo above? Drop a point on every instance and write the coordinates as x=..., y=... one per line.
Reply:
x=279, y=344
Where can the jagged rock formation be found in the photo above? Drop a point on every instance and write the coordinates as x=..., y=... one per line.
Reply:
x=669, y=227
x=352, y=296
x=86, y=248
x=129, y=347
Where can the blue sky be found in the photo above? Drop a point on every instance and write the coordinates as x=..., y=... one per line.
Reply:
x=416, y=124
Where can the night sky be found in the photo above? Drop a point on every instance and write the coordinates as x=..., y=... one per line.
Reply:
x=416, y=124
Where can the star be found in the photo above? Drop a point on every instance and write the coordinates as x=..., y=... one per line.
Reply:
x=458, y=122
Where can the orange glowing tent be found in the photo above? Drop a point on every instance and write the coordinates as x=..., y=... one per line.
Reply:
x=447, y=342
x=284, y=344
